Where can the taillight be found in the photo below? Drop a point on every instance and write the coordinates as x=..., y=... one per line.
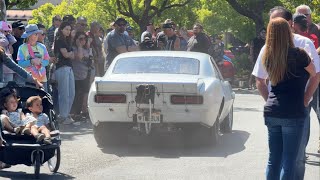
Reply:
x=180, y=99
x=110, y=98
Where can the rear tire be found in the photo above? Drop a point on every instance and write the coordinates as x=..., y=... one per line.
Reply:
x=199, y=135
x=227, y=123
x=111, y=133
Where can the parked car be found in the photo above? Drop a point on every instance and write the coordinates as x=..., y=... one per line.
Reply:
x=149, y=90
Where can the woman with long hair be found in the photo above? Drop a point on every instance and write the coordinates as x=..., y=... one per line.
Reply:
x=64, y=73
x=82, y=66
x=289, y=68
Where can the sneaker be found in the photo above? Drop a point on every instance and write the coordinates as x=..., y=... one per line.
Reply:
x=26, y=131
x=68, y=121
x=16, y=130
x=40, y=137
x=47, y=140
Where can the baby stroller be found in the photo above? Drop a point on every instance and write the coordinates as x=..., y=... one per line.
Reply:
x=23, y=149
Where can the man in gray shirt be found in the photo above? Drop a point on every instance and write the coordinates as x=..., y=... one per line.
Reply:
x=118, y=41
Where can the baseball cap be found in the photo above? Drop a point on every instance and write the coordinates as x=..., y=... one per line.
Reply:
x=17, y=24
x=120, y=19
x=300, y=19
x=5, y=26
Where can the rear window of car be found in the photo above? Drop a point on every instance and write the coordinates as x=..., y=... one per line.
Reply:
x=157, y=64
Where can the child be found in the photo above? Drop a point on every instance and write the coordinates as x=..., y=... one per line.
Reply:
x=12, y=119
x=39, y=128
x=6, y=41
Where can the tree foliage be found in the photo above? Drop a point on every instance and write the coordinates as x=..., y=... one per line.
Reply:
x=217, y=16
x=21, y=4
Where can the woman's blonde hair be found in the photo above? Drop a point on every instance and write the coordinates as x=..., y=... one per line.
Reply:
x=278, y=40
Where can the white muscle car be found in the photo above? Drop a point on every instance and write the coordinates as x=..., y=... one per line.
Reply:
x=149, y=90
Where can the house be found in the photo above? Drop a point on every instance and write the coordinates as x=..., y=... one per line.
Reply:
x=26, y=14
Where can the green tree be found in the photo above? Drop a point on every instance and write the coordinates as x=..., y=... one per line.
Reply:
x=142, y=11
x=8, y=4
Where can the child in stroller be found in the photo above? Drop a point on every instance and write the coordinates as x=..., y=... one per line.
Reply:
x=13, y=120
x=39, y=126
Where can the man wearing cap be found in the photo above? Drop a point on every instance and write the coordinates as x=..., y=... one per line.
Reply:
x=149, y=32
x=118, y=41
x=17, y=31
x=167, y=39
x=300, y=26
x=312, y=28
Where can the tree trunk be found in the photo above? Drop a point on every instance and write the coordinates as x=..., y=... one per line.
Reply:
x=254, y=13
x=3, y=13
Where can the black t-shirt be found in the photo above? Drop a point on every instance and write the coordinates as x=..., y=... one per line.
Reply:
x=285, y=99
x=199, y=43
x=15, y=47
x=62, y=61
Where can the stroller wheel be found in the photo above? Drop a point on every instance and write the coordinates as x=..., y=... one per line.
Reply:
x=54, y=162
x=37, y=164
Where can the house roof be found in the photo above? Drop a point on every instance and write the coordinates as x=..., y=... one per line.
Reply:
x=19, y=14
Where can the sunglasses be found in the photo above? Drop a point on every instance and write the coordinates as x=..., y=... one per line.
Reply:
x=121, y=24
x=83, y=25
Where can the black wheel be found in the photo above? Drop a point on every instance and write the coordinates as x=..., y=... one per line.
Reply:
x=227, y=123
x=54, y=162
x=198, y=135
x=111, y=133
x=53, y=123
x=37, y=165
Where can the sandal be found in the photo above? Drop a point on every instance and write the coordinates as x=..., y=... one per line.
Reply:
x=39, y=137
x=26, y=131
x=47, y=140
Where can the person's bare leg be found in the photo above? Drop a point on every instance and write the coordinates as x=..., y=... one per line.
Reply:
x=44, y=130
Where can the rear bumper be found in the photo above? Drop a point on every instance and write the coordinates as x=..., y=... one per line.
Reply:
x=178, y=115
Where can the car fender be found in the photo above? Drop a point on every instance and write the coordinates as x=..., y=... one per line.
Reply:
x=213, y=95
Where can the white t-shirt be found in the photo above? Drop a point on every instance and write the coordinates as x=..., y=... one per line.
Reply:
x=299, y=41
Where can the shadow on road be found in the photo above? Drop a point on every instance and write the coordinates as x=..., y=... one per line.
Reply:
x=172, y=147
x=23, y=175
x=245, y=91
x=68, y=132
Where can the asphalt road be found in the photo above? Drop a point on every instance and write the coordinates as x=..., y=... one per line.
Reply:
x=240, y=155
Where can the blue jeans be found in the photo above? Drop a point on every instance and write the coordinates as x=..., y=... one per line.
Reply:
x=66, y=89
x=300, y=164
x=284, y=137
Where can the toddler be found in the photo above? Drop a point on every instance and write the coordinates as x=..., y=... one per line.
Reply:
x=40, y=120
x=12, y=119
